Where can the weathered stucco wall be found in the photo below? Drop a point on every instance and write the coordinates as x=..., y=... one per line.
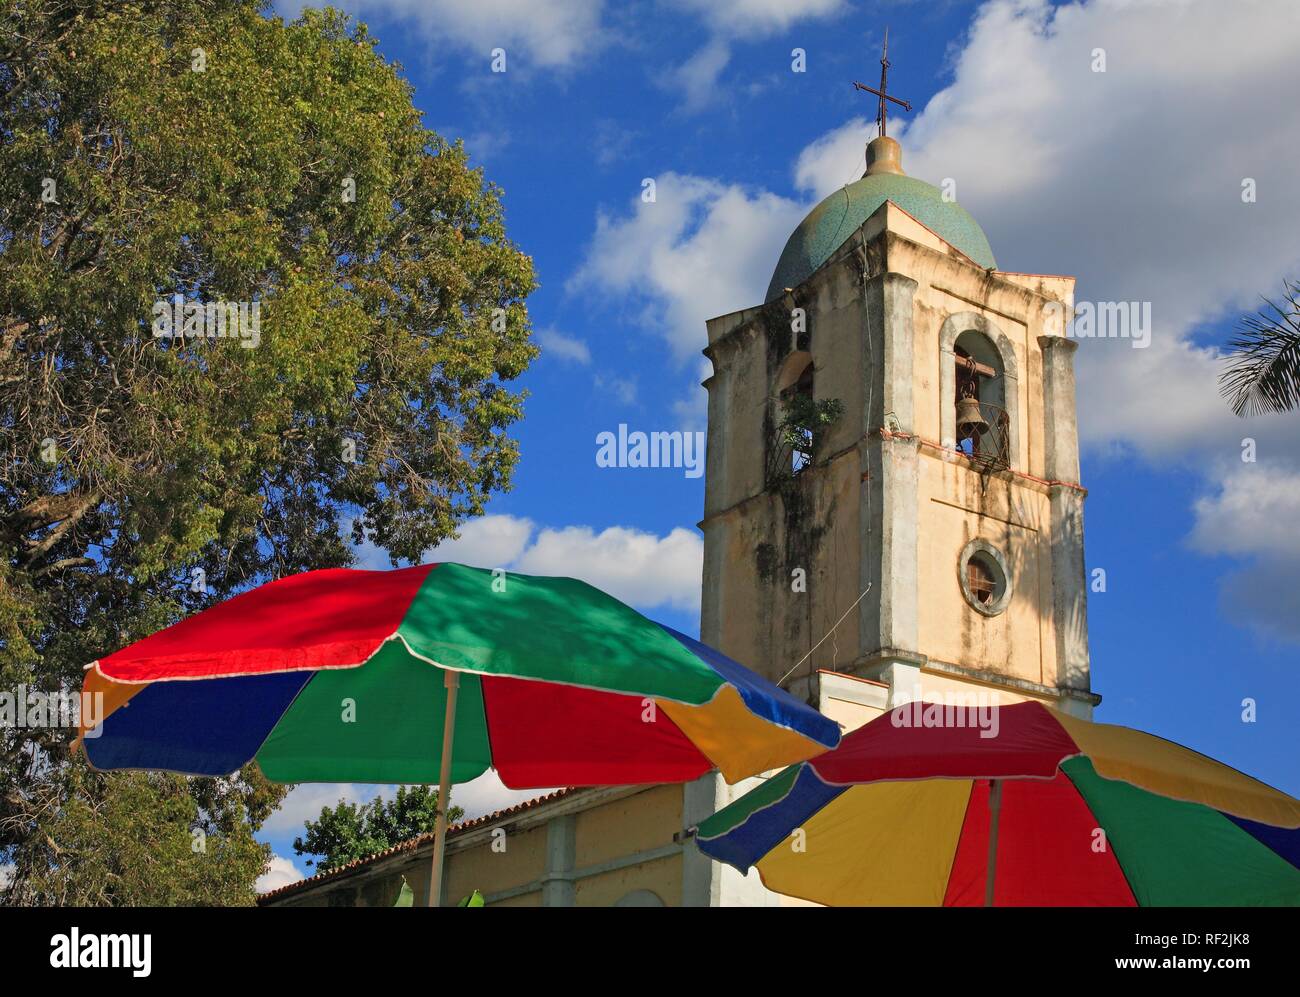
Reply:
x=480, y=868
x=957, y=507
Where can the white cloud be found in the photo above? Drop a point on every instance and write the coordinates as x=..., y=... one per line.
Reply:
x=640, y=568
x=1243, y=517
x=488, y=794
x=612, y=141
x=632, y=565
x=486, y=542
x=759, y=18
x=696, y=79
x=550, y=34
x=557, y=344
x=572, y=350
x=1264, y=596
x=1252, y=515
x=730, y=21
x=306, y=800
x=623, y=389
x=489, y=542
x=833, y=160
x=280, y=871
x=702, y=248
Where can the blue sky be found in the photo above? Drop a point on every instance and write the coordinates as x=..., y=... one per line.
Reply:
x=1130, y=179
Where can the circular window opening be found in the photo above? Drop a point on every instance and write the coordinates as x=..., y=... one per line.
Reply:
x=979, y=576
x=983, y=573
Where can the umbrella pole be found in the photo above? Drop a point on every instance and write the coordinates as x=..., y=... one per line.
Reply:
x=995, y=806
x=452, y=680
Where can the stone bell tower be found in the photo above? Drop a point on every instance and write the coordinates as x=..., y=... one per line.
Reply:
x=893, y=505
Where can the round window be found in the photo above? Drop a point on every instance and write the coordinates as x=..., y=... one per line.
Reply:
x=984, y=577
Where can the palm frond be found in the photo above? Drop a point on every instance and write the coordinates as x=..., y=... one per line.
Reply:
x=1262, y=371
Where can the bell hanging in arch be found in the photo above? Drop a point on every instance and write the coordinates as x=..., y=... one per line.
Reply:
x=971, y=424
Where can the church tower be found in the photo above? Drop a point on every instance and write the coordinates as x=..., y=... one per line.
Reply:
x=893, y=508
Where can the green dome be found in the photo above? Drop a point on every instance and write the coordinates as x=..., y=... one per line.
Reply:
x=829, y=225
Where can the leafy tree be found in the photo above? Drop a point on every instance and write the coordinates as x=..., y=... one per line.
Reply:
x=201, y=148
x=349, y=831
x=147, y=841
x=1263, y=369
x=803, y=427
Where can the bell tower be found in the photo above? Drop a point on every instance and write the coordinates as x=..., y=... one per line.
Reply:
x=893, y=508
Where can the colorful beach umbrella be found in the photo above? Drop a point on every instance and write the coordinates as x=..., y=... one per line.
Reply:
x=326, y=677
x=922, y=806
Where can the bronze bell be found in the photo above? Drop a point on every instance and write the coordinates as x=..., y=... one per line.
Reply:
x=970, y=423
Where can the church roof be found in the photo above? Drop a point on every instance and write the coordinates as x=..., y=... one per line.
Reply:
x=830, y=224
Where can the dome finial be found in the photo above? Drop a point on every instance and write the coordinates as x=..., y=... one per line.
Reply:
x=884, y=155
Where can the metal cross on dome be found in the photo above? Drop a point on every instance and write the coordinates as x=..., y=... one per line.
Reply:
x=882, y=93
